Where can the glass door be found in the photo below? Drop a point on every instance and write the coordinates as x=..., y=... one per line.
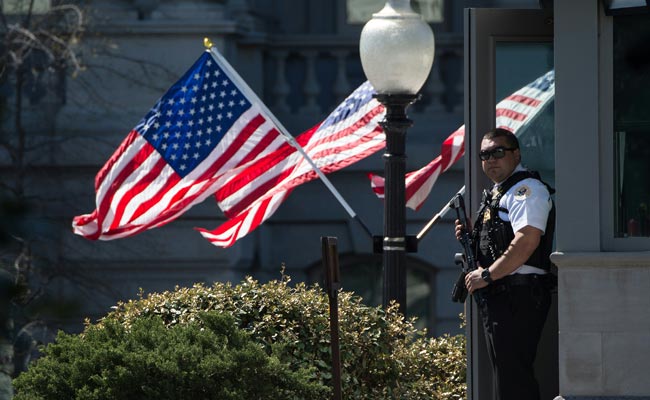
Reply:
x=509, y=83
x=524, y=92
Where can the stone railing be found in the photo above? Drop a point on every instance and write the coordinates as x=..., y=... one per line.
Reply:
x=311, y=75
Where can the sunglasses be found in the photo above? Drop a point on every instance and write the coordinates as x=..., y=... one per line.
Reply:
x=497, y=153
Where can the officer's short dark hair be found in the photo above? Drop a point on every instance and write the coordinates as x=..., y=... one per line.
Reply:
x=511, y=139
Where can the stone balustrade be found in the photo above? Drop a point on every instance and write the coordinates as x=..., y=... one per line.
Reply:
x=311, y=75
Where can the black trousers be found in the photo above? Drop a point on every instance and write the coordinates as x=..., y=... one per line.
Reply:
x=513, y=318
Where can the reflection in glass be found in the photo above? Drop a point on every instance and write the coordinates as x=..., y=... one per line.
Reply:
x=631, y=125
x=517, y=64
x=632, y=182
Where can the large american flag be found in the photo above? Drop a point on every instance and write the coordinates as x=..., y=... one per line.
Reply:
x=179, y=153
x=252, y=195
x=513, y=113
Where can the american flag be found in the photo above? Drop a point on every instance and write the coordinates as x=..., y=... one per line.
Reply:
x=179, y=153
x=514, y=113
x=250, y=197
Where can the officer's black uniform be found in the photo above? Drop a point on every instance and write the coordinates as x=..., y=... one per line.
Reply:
x=514, y=308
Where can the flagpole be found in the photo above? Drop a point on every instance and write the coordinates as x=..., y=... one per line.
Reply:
x=436, y=218
x=248, y=92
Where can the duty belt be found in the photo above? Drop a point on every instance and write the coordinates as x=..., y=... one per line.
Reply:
x=549, y=281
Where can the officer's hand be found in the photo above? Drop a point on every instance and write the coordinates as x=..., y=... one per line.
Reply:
x=473, y=280
x=459, y=228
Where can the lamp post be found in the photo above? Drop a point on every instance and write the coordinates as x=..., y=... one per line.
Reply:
x=396, y=49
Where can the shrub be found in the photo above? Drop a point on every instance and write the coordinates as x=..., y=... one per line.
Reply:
x=210, y=360
x=383, y=356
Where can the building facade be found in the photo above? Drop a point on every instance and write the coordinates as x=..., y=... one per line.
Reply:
x=301, y=58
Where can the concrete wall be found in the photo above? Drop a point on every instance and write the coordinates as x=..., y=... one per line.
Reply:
x=604, y=324
x=604, y=320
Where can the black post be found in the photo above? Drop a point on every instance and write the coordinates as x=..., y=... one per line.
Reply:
x=333, y=285
x=395, y=125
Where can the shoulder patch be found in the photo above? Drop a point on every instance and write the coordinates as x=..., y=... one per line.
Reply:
x=522, y=192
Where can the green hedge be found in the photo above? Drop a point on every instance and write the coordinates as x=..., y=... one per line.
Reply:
x=383, y=355
x=211, y=360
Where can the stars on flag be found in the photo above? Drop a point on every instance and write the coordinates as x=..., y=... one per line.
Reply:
x=172, y=126
x=352, y=104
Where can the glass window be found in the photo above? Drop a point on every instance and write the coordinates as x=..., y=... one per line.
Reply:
x=22, y=6
x=631, y=125
x=362, y=274
x=360, y=11
x=518, y=64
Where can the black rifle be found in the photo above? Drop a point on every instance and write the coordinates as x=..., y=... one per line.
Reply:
x=467, y=260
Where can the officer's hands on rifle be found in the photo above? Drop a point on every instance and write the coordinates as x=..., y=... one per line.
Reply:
x=460, y=229
x=465, y=283
x=473, y=280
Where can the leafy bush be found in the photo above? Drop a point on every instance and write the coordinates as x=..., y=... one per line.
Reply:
x=383, y=356
x=210, y=360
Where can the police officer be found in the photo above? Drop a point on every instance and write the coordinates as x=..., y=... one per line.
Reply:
x=512, y=236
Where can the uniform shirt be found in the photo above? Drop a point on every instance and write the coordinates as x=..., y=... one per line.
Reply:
x=528, y=203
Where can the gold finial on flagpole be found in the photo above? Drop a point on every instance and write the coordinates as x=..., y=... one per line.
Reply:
x=207, y=43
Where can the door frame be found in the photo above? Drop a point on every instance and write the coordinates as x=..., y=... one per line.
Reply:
x=483, y=29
